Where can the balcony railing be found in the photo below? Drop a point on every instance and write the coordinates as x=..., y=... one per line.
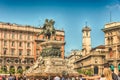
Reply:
x=25, y=56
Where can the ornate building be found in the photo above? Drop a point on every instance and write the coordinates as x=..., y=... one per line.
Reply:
x=91, y=58
x=112, y=44
x=18, y=46
x=98, y=56
x=94, y=60
x=74, y=55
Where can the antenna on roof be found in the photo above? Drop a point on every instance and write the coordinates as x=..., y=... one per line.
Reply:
x=110, y=16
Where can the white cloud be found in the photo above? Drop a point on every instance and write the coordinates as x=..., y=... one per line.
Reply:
x=115, y=6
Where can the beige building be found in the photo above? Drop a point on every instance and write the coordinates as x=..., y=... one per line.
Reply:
x=74, y=55
x=86, y=40
x=91, y=58
x=95, y=58
x=18, y=47
x=112, y=44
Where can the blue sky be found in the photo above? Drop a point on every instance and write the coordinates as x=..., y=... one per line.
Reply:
x=71, y=15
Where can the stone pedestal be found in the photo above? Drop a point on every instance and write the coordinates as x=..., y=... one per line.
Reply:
x=51, y=65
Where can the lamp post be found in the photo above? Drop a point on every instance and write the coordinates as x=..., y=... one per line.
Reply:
x=4, y=53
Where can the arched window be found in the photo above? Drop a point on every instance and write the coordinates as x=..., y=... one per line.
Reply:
x=95, y=69
x=19, y=70
x=27, y=67
x=4, y=68
x=86, y=33
x=12, y=69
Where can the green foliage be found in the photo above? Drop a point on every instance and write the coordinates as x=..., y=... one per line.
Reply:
x=0, y=71
x=88, y=72
x=20, y=71
x=80, y=71
x=3, y=70
x=12, y=71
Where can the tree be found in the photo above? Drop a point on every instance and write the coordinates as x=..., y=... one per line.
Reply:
x=88, y=72
x=20, y=71
x=12, y=70
x=3, y=69
x=81, y=71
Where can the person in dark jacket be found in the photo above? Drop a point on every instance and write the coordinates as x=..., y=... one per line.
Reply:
x=114, y=76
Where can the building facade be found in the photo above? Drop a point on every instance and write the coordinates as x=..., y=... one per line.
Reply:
x=112, y=44
x=107, y=53
x=93, y=61
x=74, y=55
x=91, y=58
x=18, y=46
x=86, y=40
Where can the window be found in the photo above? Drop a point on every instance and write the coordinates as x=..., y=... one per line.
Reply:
x=87, y=33
x=5, y=35
x=111, y=40
x=31, y=61
x=20, y=36
x=20, y=44
x=60, y=39
x=108, y=40
x=28, y=44
x=28, y=37
x=13, y=35
x=12, y=51
x=20, y=52
x=13, y=43
x=28, y=53
x=5, y=43
x=37, y=52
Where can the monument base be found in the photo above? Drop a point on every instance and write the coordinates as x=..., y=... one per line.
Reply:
x=49, y=66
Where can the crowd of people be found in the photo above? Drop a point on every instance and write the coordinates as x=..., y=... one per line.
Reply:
x=69, y=78
x=108, y=74
x=57, y=77
x=12, y=77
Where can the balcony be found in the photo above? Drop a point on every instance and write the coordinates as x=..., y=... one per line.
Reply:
x=16, y=56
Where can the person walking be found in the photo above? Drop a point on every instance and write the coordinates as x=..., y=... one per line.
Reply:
x=107, y=73
x=119, y=76
x=10, y=77
x=56, y=78
x=102, y=77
